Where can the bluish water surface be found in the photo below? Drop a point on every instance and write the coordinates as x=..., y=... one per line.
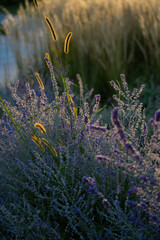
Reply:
x=8, y=66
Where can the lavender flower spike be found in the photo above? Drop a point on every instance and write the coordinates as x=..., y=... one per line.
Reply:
x=106, y=203
x=91, y=184
x=133, y=151
x=124, y=81
x=157, y=116
x=103, y=158
x=116, y=122
x=99, y=128
x=115, y=117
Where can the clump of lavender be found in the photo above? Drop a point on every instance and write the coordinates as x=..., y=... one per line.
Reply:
x=64, y=175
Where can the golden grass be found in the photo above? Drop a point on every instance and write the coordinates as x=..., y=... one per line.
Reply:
x=108, y=36
x=51, y=28
x=37, y=140
x=67, y=42
x=40, y=126
x=49, y=145
x=39, y=80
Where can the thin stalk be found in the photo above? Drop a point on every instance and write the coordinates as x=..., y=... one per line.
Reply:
x=68, y=99
x=16, y=126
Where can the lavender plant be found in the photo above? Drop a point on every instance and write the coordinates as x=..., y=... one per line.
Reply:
x=64, y=176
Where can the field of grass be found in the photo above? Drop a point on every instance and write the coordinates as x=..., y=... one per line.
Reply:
x=109, y=37
x=69, y=168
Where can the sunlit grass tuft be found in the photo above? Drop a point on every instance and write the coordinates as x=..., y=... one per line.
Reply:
x=39, y=80
x=67, y=42
x=52, y=30
x=109, y=37
x=40, y=126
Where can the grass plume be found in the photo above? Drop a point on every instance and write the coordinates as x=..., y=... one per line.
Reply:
x=51, y=28
x=39, y=80
x=67, y=42
x=49, y=145
x=40, y=126
x=37, y=140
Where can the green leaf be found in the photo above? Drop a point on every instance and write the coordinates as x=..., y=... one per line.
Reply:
x=59, y=140
x=98, y=111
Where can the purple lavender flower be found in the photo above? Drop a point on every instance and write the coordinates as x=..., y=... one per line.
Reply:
x=151, y=121
x=106, y=203
x=144, y=127
x=129, y=147
x=132, y=150
x=115, y=115
x=117, y=151
x=116, y=122
x=122, y=135
x=90, y=182
x=122, y=76
x=98, y=97
x=93, y=191
x=158, y=195
x=48, y=62
x=157, y=116
x=99, y=128
x=132, y=190
x=131, y=203
x=124, y=81
x=153, y=218
x=144, y=178
x=85, y=120
x=103, y=158
x=114, y=85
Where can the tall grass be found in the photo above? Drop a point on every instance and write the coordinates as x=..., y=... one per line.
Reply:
x=108, y=37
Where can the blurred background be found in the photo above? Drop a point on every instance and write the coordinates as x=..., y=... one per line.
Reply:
x=109, y=38
x=8, y=67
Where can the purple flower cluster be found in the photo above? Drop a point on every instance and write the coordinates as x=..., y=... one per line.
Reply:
x=103, y=158
x=116, y=122
x=47, y=190
x=90, y=182
x=99, y=128
x=122, y=135
x=157, y=116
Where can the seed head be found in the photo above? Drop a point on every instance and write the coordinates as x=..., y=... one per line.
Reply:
x=39, y=80
x=51, y=28
x=40, y=126
x=67, y=42
x=37, y=140
x=49, y=145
